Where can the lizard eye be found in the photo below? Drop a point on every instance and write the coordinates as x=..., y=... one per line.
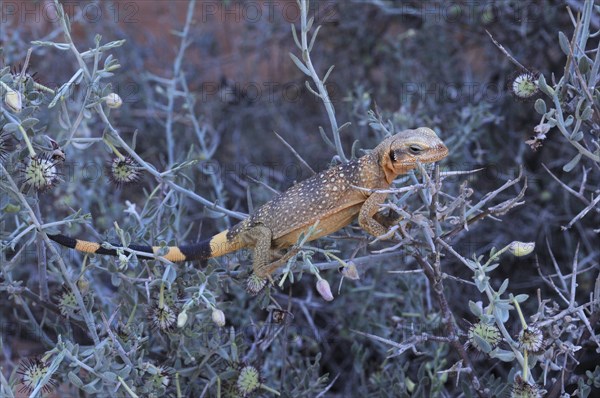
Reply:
x=415, y=149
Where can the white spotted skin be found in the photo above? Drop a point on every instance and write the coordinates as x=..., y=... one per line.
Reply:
x=330, y=197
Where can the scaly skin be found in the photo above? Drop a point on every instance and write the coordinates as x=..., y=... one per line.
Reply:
x=330, y=197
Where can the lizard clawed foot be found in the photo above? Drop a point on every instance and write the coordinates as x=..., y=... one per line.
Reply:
x=386, y=236
x=255, y=284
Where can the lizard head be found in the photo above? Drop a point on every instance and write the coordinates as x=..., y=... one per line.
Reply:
x=400, y=153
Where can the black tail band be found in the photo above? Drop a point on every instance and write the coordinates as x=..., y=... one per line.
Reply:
x=197, y=251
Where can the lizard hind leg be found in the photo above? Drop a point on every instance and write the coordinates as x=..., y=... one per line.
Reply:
x=257, y=283
x=261, y=236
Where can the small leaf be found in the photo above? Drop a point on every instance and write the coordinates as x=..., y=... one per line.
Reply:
x=569, y=121
x=110, y=376
x=565, y=46
x=584, y=65
x=502, y=304
x=310, y=89
x=115, y=279
x=108, y=60
x=88, y=353
x=571, y=165
x=112, y=44
x=310, y=23
x=104, y=74
x=501, y=314
x=67, y=20
x=295, y=35
x=503, y=355
x=10, y=127
x=475, y=309
x=327, y=74
x=492, y=267
x=90, y=387
x=503, y=286
x=325, y=138
x=482, y=344
x=520, y=298
x=577, y=136
x=313, y=38
x=169, y=275
x=587, y=113
x=540, y=106
x=27, y=123
x=73, y=378
x=300, y=65
x=481, y=281
x=82, y=145
x=544, y=87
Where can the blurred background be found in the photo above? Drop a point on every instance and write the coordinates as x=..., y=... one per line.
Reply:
x=430, y=63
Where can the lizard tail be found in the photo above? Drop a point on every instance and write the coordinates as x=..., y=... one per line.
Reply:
x=216, y=246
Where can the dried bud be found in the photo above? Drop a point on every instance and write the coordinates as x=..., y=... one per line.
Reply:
x=13, y=100
x=531, y=339
x=182, y=319
x=83, y=284
x=58, y=154
x=67, y=303
x=248, y=381
x=31, y=373
x=122, y=261
x=324, y=290
x=520, y=249
x=484, y=336
x=159, y=377
x=123, y=171
x=162, y=318
x=41, y=173
x=524, y=86
x=350, y=271
x=522, y=389
x=218, y=317
x=113, y=101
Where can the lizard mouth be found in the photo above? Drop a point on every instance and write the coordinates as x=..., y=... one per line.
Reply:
x=439, y=152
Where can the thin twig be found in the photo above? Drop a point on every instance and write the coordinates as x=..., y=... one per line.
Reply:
x=172, y=87
x=566, y=187
x=296, y=154
x=582, y=213
x=505, y=52
x=321, y=89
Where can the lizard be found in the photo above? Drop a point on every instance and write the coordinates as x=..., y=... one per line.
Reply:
x=333, y=197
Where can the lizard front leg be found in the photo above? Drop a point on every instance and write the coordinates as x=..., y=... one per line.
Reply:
x=368, y=210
